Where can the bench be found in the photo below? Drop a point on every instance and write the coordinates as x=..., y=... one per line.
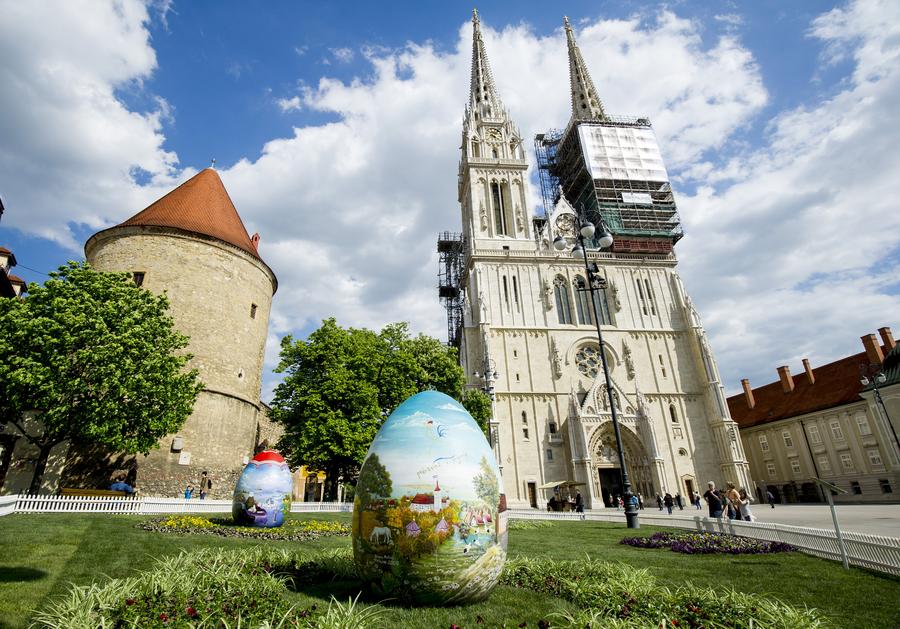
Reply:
x=76, y=491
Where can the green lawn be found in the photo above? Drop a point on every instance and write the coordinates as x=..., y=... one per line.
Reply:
x=41, y=554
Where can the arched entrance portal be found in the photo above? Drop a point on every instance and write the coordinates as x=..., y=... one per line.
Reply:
x=607, y=476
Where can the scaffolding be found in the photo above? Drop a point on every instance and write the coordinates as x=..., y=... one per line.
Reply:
x=451, y=266
x=639, y=210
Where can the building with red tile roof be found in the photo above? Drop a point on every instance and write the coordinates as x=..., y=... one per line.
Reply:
x=192, y=245
x=821, y=423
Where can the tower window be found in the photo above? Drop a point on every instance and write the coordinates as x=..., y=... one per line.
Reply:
x=525, y=433
x=524, y=418
x=672, y=414
x=494, y=153
x=516, y=293
x=582, y=305
x=650, y=296
x=641, y=296
x=138, y=277
x=662, y=365
x=499, y=209
x=549, y=454
x=561, y=291
x=252, y=311
x=517, y=377
x=552, y=428
x=505, y=294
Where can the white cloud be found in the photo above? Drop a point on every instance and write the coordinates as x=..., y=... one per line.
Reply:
x=344, y=55
x=69, y=144
x=289, y=104
x=794, y=257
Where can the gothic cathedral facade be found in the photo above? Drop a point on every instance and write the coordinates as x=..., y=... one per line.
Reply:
x=526, y=332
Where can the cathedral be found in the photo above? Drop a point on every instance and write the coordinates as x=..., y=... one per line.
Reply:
x=524, y=323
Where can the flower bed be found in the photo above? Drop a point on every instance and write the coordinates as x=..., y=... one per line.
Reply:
x=291, y=530
x=708, y=544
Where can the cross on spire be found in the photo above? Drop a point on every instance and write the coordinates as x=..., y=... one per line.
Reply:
x=483, y=96
x=586, y=103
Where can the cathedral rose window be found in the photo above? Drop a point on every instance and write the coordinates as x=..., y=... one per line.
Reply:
x=588, y=360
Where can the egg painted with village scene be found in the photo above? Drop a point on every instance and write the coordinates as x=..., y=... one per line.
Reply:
x=429, y=515
x=262, y=495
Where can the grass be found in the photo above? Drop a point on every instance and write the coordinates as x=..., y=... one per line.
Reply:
x=40, y=555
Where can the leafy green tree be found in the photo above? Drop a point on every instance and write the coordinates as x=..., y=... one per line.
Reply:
x=99, y=362
x=486, y=484
x=374, y=482
x=341, y=384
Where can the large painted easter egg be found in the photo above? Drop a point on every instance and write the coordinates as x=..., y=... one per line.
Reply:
x=262, y=496
x=429, y=515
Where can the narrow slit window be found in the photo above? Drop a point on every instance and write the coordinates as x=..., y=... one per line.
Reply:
x=650, y=296
x=138, y=277
x=505, y=293
x=516, y=293
x=252, y=311
x=641, y=296
x=662, y=366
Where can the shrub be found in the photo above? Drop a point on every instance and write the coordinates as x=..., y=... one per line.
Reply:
x=291, y=530
x=225, y=589
x=620, y=596
x=708, y=543
x=528, y=525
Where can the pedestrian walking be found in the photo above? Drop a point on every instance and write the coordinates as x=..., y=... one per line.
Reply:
x=744, y=505
x=732, y=498
x=771, y=498
x=679, y=500
x=714, y=500
x=640, y=502
x=205, y=485
x=669, y=502
x=579, y=502
x=695, y=499
x=659, y=502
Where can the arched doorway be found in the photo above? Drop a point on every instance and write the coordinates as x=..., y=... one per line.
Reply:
x=605, y=463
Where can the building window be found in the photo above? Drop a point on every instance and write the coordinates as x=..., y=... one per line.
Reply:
x=525, y=433
x=552, y=428
x=516, y=294
x=824, y=463
x=814, y=435
x=662, y=366
x=875, y=458
x=499, y=210
x=770, y=468
x=863, y=423
x=795, y=467
x=252, y=311
x=846, y=461
x=517, y=377
x=672, y=414
x=855, y=488
x=138, y=277
x=587, y=359
x=643, y=299
x=582, y=303
x=836, y=431
x=515, y=353
x=650, y=297
x=505, y=294
x=561, y=291
x=885, y=485
x=549, y=454
x=524, y=418
x=763, y=443
x=788, y=441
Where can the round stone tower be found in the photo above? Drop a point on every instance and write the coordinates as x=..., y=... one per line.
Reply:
x=192, y=245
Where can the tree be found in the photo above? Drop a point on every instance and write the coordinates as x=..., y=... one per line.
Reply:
x=486, y=485
x=341, y=384
x=99, y=362
x=374, y=483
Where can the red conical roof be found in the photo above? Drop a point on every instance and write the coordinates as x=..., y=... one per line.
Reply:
x=269, y=455
x=200, y=205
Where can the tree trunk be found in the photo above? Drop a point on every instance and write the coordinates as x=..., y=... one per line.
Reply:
x=39, y=468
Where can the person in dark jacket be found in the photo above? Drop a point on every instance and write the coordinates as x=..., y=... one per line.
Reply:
x=669, y=502
x=714, y=500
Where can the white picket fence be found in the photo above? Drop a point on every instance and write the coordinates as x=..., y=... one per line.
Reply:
x=869, y=551
x=138, y=505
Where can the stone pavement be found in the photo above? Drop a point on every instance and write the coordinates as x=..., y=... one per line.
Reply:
x=873, y=519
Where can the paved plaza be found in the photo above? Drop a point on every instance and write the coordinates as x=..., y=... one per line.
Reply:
x=874, y=519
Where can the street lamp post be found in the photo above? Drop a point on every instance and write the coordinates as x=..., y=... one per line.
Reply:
x=487, y=375
x=585, y=230
x=877, y=377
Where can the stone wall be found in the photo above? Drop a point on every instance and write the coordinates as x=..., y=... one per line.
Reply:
x=220, y=296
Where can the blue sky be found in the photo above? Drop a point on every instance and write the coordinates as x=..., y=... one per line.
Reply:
x=335, y=127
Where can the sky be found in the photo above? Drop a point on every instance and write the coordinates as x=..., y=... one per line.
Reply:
x=336, y=129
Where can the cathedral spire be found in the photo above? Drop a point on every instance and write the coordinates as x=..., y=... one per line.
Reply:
x=483, y=96
x=586, y=103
